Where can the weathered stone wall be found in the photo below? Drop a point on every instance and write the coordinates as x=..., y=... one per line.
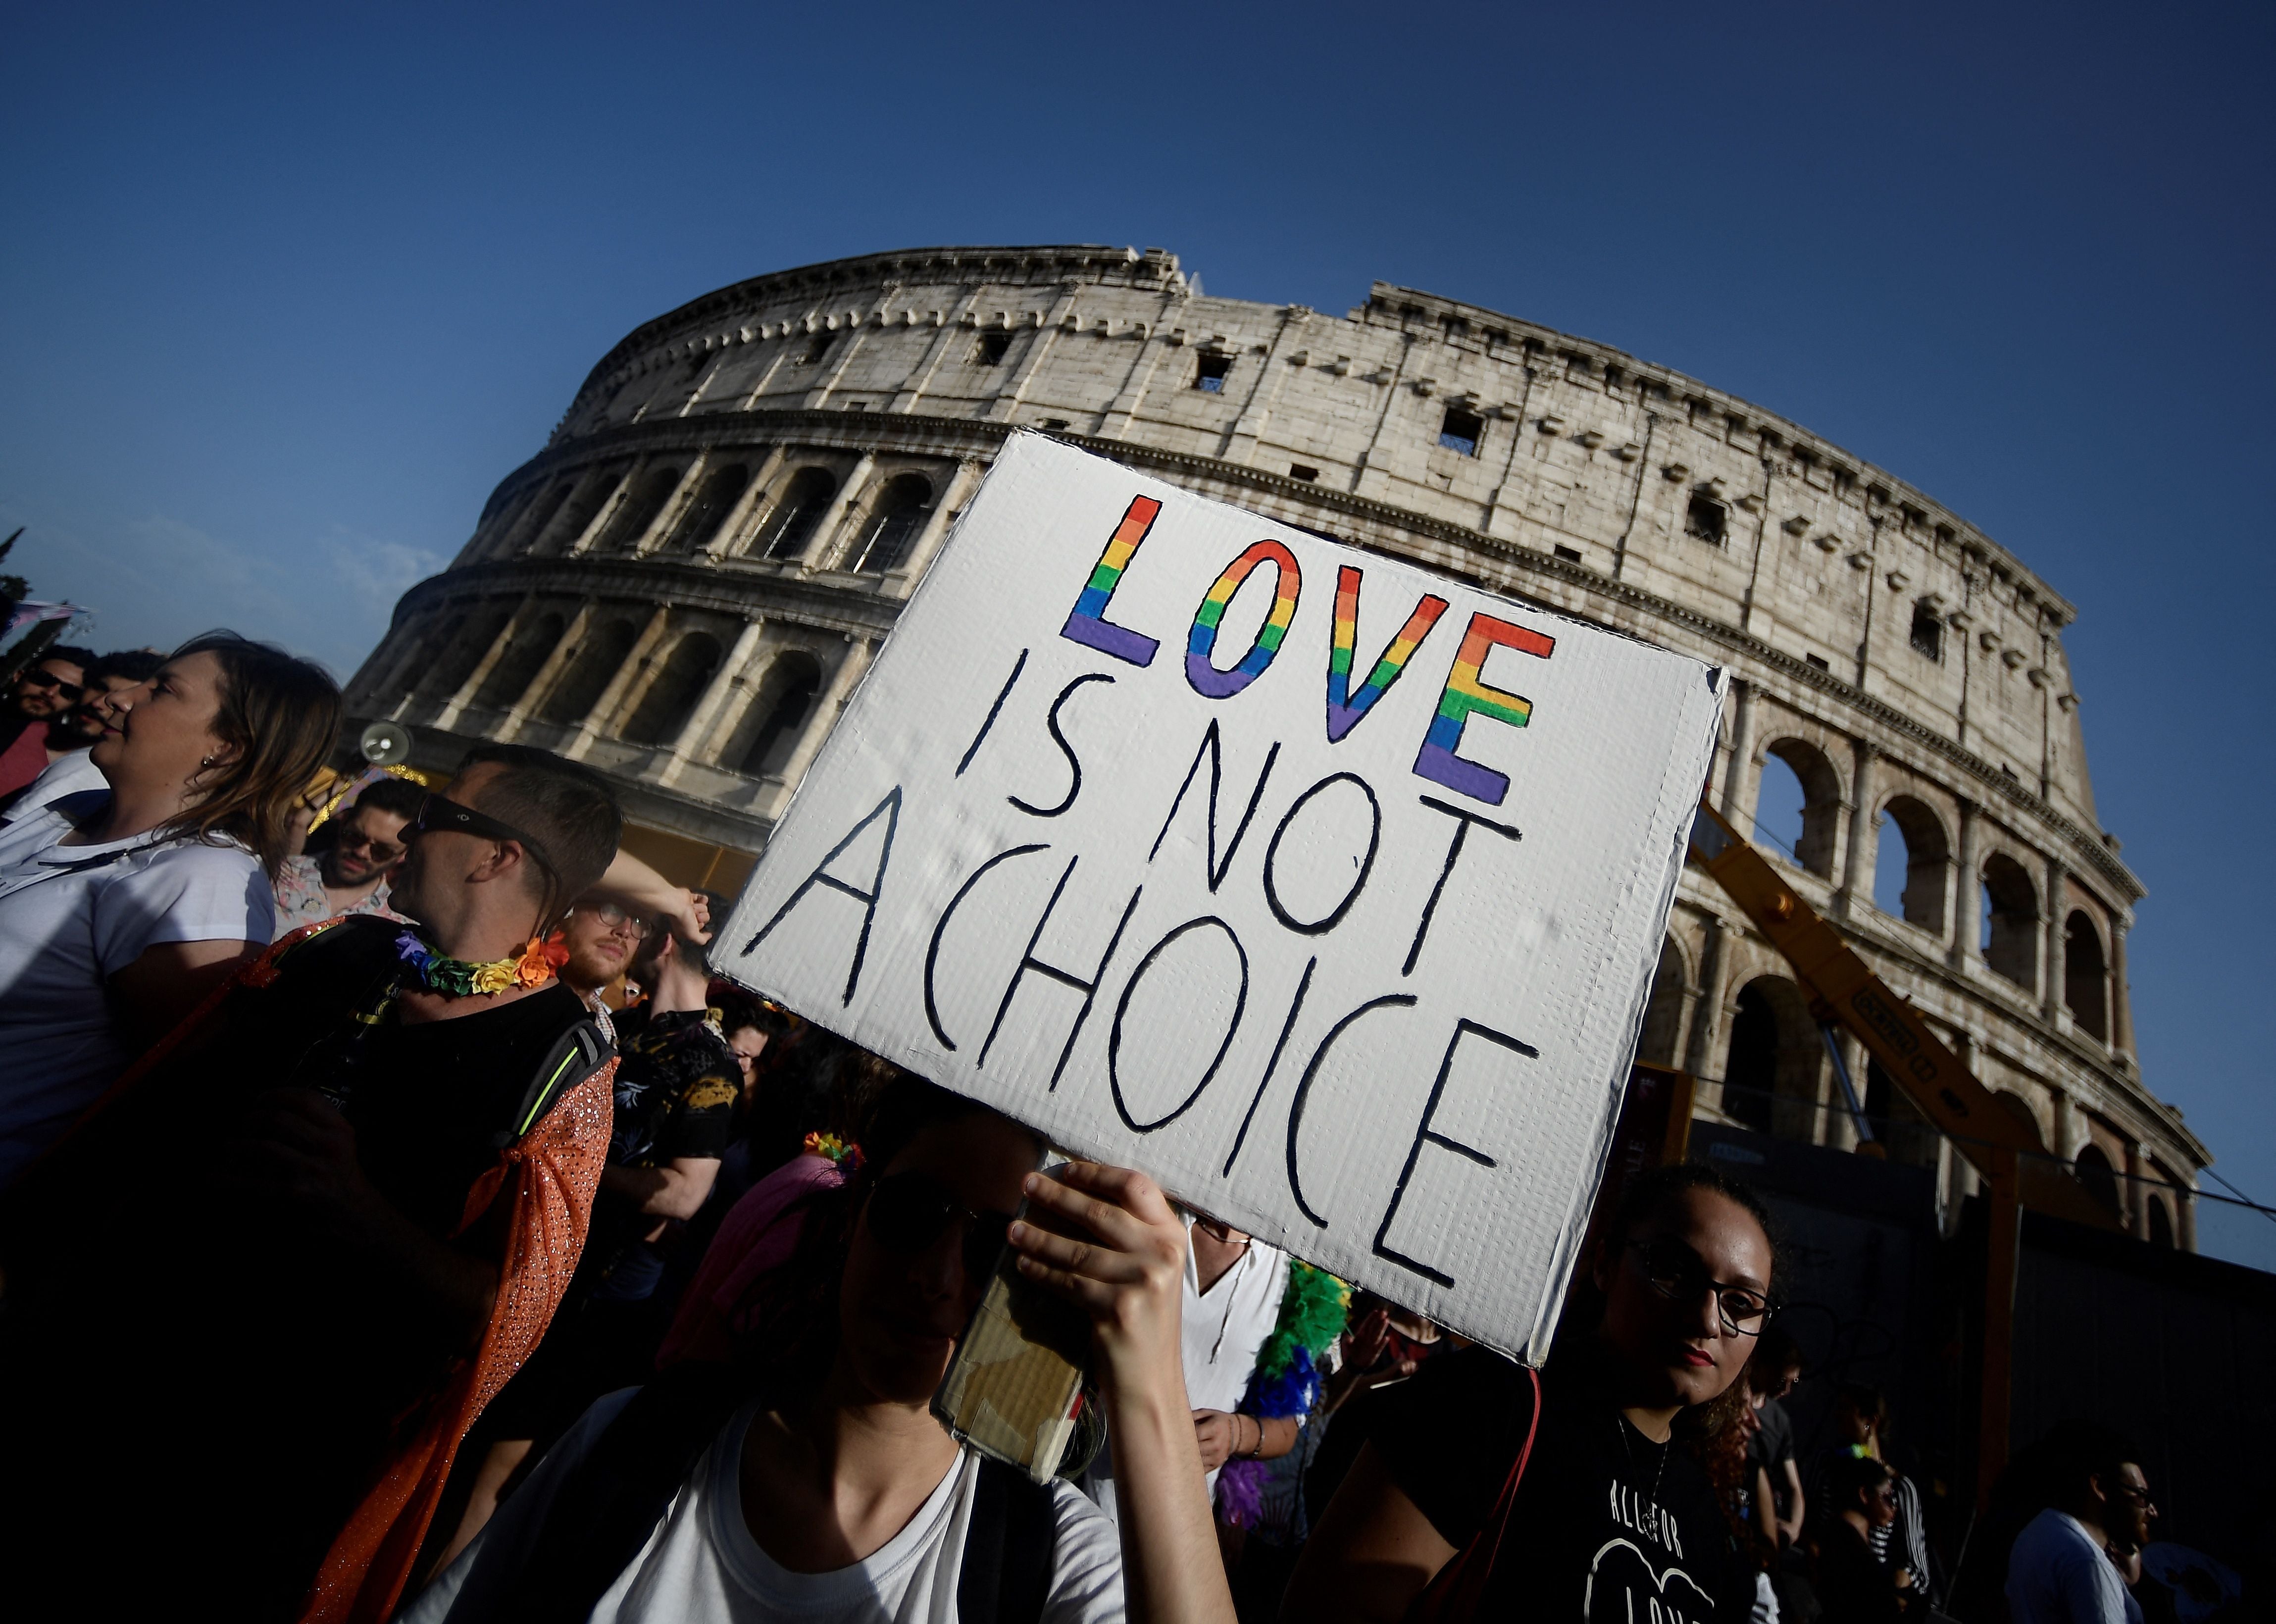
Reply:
x=685, y=585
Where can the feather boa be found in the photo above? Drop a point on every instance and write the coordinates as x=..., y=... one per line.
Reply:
x=1286, y=1380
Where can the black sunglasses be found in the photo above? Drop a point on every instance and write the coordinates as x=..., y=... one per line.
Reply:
x=436, y=812
x=70, y=691
x=1675, y=1272
x=910, y=1212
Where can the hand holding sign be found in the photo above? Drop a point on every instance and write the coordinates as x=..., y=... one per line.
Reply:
x=1356, y=963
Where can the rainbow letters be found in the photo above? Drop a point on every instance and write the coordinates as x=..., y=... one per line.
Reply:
x=1207, y=679
x=1087, y=623
x=1345, y=709
x=1465, y=696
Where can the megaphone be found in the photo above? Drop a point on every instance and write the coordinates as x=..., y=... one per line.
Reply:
x=385, y=743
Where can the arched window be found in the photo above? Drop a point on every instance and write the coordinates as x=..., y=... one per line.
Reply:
x=2161, y=1224
x=1798, y=807
x=578, y=514
x=1663, y=1016
x=699, y=525
x=475, y=637
x=639, y=512
x=901, y=511
x=779, y=711
x=790, y=528
x=594, y=667
x=534, y=519
x=2011, y=919
x=1909, y=869
x=1770, y=1076
x=2099, y=1177
x=525, y=657
x=2086, y=978
x=673, y=692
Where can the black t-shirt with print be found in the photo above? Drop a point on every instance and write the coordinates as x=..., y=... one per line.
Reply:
x=1608, y=1528
x=676, y=1086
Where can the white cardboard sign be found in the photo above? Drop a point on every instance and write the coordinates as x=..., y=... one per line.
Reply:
x=1326, y=891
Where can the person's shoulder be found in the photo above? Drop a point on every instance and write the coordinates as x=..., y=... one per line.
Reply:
x=1086, y=1560
x=346, y=945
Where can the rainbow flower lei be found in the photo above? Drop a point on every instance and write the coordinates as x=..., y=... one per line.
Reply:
x=848, y=1156
x=459, y=978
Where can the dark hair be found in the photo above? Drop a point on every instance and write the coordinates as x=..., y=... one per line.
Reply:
x=399, y=797
x=1655, y=1187
x=71, y=652
x=280, y=714
x=1865, y=1401
x=134, y=664
x=565, y=806
x=1776, y=1352
x=788, y=1329
x=1848, y=1476
x=694, y=953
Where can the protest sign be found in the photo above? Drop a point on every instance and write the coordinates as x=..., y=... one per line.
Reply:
x=1325, y=890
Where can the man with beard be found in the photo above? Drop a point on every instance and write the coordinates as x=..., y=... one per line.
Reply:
x=108, y=691
x=351, y=876
x=45, y=692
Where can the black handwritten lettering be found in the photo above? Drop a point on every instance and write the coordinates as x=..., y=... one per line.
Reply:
x=1075, y=766
x=1425, y=1133
x=1114, y=1039
x=1212, y=746
x=890, y=810
x=932, y=951
x=994, y=711
x=1463, y=821
x=1066, y=978
x=1335, y=915
x=1403, y=1000
x=1273, y=1064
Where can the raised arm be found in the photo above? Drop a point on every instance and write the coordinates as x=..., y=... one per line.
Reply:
x=1370, y=1556
x=1130, y=1281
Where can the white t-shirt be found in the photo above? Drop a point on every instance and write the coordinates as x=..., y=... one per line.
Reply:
x=70, y=920
x=67, y=775
x=2057, y=1574
x=703, y=1567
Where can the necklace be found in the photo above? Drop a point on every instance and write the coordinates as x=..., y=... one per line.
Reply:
x=1621, y=1425
x=460, y=978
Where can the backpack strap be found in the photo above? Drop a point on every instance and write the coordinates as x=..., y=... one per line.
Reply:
x=1453, y=1594
x=575, y=1055
x=1006, y=1573
x=612, y=1500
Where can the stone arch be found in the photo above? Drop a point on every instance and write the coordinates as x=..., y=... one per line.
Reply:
x=674, y=691
x=797, y=514
x=537, y=518
x=895, y=518
x=476, y=637
x=1772, y=1065
x=714, y=499
x=518, y=667
x=2011, y=919
x=2086, y=974
x=594, y=664
x=1909, y=870
x=577, y=514
x=1813, y=844
x=2018, y=1107
x=1661, y=1038
x=778, y=712
x=2161, y=1221
x=639, y=510
x=2095, y=1172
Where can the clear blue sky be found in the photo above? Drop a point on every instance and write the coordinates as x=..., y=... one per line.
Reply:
x=285, y=293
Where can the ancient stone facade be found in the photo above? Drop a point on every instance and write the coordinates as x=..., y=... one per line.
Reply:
x=685, y=586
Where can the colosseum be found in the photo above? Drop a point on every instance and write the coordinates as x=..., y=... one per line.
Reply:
x=684, y=587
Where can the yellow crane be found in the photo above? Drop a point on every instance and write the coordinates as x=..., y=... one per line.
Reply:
x=2018, y=1169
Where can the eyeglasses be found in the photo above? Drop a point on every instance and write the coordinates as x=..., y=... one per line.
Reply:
x=438, y=814
x=2139, y=1493
x=910, y=1212
x=616, y=919
x=37, y=679
x=1675, y=1270
x=350, y=837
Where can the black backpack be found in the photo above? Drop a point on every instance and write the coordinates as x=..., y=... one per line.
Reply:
x=612, y=1501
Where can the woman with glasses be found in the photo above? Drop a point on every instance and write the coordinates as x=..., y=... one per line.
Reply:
x=122, y=907
x=1480, y=1492
x=812, y=1480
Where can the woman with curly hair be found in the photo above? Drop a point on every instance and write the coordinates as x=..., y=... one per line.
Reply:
x=122, y=907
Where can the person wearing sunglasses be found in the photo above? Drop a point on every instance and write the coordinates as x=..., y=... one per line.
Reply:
x=811, y=1481
x=1850, y=1582
x=1480, y=1490
x=345, y=1197
x=111, y=684
x=370, y=840
x=43, y=694
x=2073, y=1562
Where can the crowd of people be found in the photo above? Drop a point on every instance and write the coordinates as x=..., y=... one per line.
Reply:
x=400, y=1219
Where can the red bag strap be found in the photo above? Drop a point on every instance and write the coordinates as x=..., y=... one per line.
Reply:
x=1453, y=1594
